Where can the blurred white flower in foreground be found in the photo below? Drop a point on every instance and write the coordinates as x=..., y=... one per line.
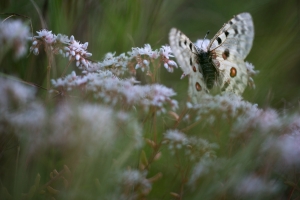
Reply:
x=14, y=34
x=135, y=185
x=255, y=187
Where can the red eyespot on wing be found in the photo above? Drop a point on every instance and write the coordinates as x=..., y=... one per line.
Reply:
x=233, y=72
x=198, y=87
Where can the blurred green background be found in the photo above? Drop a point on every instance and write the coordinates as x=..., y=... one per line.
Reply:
x=119, y=25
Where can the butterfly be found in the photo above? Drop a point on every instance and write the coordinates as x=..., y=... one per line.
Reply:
x=221, y=64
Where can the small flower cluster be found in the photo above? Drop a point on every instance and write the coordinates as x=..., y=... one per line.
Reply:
x=75, y=51
x=264, y=120
x=194, y=147
x=253, y=186
x=68, y=47
x=205, y=166
x=14, y=34
x=166, y=53
x=198, y=148
x=244, y=115
x=140, y=57
x=283, y=148
x=239, y=182
x=227, y=105
x=135, y=185
x=175, y=140
x=106, y=86
x=72, y=81
x=145, y=55
x=116, y=64
x=289, y=150
x=289, y=143
x=251, y=72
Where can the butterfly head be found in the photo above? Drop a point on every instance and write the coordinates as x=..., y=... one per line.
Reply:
x=202, y=45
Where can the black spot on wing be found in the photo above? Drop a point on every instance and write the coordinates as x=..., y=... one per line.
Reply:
x=179, y=43
x=226, y=33
x=235, y=32
x=185, y=42
x=225, y=54
x=191, y=46
x=191, y=62
x=219, y=40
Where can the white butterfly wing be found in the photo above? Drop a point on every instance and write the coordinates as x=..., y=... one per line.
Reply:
x=237, y=35
x=186, y=54
x=230, y=46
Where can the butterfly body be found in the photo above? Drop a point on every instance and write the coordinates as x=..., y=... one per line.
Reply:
x=220, y=64
x=208, y=68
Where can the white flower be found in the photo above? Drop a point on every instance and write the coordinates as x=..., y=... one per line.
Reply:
x=104, y=85
x=175, y=140
x=286, y=148
x=290, y=147
x=251, y=72
x=62, y=39
x=46, y=35
x=12, y=92
x=205, y=166
x=166, y=53
x=134, y=184
x=147, y=50
x=230, y=105
x=175, y=136
x=254, y=186
x=116, y=64
x=77, y=51
x=67, y=47
x=143, y=51
x=199, y=148
x=250, y=69
x=22, y=114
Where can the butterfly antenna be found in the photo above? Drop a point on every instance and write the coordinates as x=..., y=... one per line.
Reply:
x=205, y=37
